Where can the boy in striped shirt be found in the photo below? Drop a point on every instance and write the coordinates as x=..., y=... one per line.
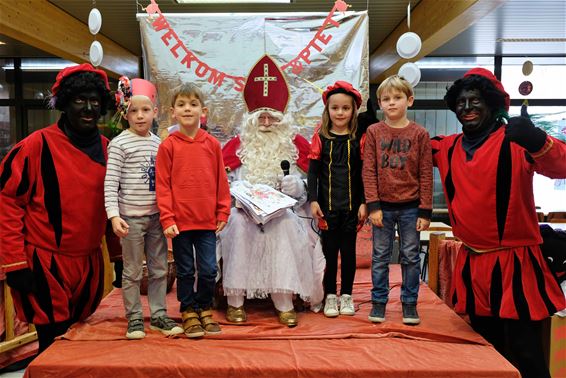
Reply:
x=131, y=206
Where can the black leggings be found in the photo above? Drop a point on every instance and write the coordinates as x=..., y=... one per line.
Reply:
x=519, y=341
x=340, y=237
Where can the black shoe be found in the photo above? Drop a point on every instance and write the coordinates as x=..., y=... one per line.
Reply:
x=377, y=313
x=410, y=314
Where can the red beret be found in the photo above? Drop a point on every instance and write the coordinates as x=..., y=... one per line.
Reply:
x=85, y=67
x=342, y=87
x=491, y=77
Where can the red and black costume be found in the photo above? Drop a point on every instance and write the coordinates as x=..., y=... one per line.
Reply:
x=335, y=182
x=500, y=279
x=53, y=226
x=52, y=214
x=492, y=213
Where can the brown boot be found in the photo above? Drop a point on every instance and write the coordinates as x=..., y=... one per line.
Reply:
x=192, y=325
x=210, y=326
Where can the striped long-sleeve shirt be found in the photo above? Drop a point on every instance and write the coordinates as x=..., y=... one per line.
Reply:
x=129, y=185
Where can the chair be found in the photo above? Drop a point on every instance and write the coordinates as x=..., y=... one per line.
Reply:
x=11, y=340
x=424, y=242
x=556, y=217
x=441, y=257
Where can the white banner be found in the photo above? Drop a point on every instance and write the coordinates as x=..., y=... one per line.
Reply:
x=216, y=52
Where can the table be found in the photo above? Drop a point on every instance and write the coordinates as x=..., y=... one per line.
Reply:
x=561, y=226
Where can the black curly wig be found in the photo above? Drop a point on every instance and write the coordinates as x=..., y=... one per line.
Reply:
x=494, y=99
x=80, y=82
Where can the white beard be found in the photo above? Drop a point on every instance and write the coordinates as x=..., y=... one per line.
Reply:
x=261, y=153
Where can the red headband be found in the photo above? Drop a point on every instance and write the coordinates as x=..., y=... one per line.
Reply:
x=85, y=67
x=342, y=87
x=491, y=77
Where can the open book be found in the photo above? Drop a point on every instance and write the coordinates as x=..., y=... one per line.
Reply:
x=261, y=202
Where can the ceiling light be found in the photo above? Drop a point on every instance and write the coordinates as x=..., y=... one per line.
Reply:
x=234, y=1
x=2, y=43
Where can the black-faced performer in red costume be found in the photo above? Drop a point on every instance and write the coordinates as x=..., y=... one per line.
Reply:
x=501, y=278
x=52, y=214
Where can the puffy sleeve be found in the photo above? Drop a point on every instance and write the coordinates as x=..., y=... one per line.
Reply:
x=550, y=161
x=17, y=183
x=436, y=145
x=303, y=147
x=316, y=147
x=231, y=159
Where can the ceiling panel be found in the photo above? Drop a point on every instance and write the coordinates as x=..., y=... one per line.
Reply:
x=119, y=21
x=514, y=19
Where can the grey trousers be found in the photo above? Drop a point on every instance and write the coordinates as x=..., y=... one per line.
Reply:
x=145, y=241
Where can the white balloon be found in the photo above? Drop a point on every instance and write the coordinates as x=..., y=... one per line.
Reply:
x=94, y=21
x=411, y=72
x=409, y=45
x=96, y=53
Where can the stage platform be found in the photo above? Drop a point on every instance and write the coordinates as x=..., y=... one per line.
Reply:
x=443, y=345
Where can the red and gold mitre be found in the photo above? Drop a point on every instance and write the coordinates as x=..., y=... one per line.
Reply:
x=266, y=87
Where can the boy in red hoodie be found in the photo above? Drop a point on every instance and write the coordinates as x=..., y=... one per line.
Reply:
x=193, y=197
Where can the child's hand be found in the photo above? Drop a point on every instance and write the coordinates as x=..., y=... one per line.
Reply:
x=422, y=224
x=220, y=226
x=362, y=216
x=119, y=226
x=316, y=211
x=362, y=213
x=376, y=218
x=171, y=231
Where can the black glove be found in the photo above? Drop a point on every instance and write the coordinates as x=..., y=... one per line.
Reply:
x=21, y=280
x=523, y=132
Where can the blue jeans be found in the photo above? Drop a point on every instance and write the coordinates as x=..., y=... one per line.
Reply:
x=204, y=243
x=383, y=238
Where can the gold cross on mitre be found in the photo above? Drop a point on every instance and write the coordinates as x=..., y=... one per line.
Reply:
x=266, y=79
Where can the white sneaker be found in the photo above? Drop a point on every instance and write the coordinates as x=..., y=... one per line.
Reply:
x=331, y=306
x=347, y=305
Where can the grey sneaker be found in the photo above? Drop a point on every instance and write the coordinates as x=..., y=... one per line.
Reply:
x=165, y=325
x=377, y=313
x=347, y=305
x=331, y=306
x=135, y=329
x=410, y=314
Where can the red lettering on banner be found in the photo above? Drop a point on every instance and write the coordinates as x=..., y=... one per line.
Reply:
x=240, y=83
x=322, y=38
x=190, y=57
x=174, y=48
x=216, y=77
x=160, y=23
x=296, y=66
x=305, y=54
x=169, y=35
x=202, y=69
x=329, y=20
